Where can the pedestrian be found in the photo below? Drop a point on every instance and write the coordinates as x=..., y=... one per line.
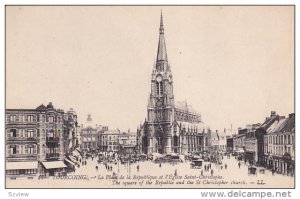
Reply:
x=239, y=165
x=273, y=171
x=97, y=168
x=221, y=167
x=201, y=172
x=225, y=166
x=159, y=164
x=138, y=168
x=212, y=172
x=205, y=168
x=175, y=173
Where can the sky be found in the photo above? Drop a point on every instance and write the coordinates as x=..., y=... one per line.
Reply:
x=234, y=65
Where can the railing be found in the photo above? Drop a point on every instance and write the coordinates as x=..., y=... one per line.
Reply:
x=52, y=139
x=28, y=139
x=52, y=155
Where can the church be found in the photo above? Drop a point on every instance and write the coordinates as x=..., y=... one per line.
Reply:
x=170, y=127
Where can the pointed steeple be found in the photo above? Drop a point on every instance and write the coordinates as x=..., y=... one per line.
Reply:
x=162, y=51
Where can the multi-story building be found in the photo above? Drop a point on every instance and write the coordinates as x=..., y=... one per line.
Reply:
x=169, y=127
x=238, y=142
x=217, y=141
x=279, y=145
x=254, y=140
x=34, y=141
x=71, y=133
x=110, y=140
x=251, y=143
x=127, y=143
x=89, y=136
x=229, y=144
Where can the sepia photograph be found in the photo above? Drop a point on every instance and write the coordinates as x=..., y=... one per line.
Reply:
x=149, y=96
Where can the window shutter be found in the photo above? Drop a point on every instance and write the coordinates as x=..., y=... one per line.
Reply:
x=17, y=149
x=8, y=149
x=35, y=132
x=26, y=118
x=8, y=133
x=34, y=149
x=26, y=149
x=17, y=133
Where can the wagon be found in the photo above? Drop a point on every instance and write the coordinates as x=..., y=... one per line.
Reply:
x=252, y=171
x=196, y=164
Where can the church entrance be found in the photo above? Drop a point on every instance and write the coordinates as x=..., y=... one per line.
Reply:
x=145, y=144
x=176, y=144
x=160, y=147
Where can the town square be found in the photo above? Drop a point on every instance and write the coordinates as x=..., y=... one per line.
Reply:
x=87, y=118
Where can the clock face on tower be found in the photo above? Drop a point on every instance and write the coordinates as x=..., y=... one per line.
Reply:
x=158, y=78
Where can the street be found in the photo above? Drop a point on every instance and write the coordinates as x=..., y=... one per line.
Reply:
x=231, y=177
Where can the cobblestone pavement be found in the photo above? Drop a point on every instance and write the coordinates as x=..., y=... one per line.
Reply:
x=233, y=176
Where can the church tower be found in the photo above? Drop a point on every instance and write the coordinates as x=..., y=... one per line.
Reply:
x=169, y=127
x=161, y=100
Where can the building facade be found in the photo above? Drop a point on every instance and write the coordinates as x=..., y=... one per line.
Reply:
x=251, y=142
x=110, y=140
x=35, y=141
x=127, y=143
x=279, y=145
x=218, y=141
x=89, y=136
x=168, y=128
x=229, y=144
x=71, y=131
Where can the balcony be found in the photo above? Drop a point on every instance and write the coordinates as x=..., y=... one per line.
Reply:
x=21, y=157
x=52, y=156
x=52, y=139
x=22, y=139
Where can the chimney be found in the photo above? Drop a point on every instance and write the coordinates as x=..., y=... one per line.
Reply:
x=273, y=113
x=291, y=115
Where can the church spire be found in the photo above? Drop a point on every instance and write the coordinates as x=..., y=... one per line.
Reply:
x=162, y=51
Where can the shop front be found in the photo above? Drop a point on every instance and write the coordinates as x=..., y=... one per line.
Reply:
x=54, y=168
x=16, y=170
x=250, y=157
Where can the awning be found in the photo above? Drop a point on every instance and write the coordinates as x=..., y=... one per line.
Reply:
x=54, y=164
x=75, y=152
x=240, y=151
x=21, y=165
x=70, y=162
x=72, y=159
x=79, y=150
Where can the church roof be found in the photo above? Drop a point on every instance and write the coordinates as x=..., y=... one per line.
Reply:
x=162, y=51
x=184, y=106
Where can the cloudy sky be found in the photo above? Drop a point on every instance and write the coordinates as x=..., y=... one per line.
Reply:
x=232, y=64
